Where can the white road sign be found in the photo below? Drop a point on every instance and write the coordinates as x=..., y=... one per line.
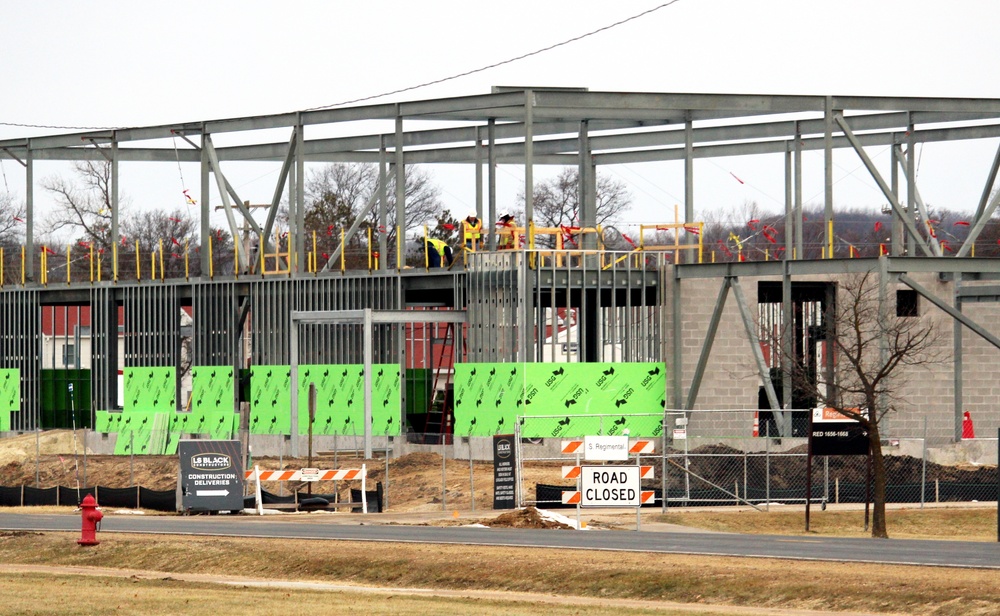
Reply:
x=610, y=486
x=607, y=448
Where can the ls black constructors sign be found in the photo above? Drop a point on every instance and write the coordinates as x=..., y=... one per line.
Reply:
x=211, y=475
x=504, y=472
x=833, y=434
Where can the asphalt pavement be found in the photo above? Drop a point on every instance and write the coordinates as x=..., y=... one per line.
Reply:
x=659, y=539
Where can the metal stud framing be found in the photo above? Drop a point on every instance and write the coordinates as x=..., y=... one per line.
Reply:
x=21, y=347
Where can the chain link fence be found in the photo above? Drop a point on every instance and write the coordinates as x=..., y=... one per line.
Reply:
x=700, y=458
x=727, y=457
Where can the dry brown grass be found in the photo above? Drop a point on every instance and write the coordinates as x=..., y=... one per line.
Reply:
x=958, y=523
x=765, y=584
x=71, y=595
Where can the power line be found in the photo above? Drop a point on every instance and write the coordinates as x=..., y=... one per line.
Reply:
x=409, y=88
x=56, y=127
x=502, y=62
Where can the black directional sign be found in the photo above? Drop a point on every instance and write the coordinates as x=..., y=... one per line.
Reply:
x=833, y=434
x=211, y=475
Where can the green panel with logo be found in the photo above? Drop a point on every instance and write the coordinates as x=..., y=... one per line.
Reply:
x=150, y=388
x=387, y=405
x=212, y=388
x=134, y=432
x=340, y=399
x=620, y=390
x=630, y=395
x=270, y=400
x=10, y=390
x=219, y=424
x=328, y=379
x=102, y=421
x=487, y=398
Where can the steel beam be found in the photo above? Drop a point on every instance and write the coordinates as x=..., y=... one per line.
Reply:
x=955, y=314
x=758, y=355
x=883, y=186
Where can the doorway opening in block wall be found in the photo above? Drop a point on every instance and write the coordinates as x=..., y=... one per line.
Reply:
x=809, y=360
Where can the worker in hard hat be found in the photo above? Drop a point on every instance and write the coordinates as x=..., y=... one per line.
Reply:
x=505, y=230
x=472, y=232
x=438, y=253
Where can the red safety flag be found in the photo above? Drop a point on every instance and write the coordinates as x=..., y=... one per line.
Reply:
x=189, y=198
x=175, y=255
x=960, y=223
x=729, y=253
x=448, y=226
x=692, y=229
x=753, y=224
x=174, y=241
x=170, y=218
x=878, y=226
x=48, y=250
x=770, y=233
x=737, y=179
x=84, y=244
x=329, y=230
x=628, y=239
x=18, y=219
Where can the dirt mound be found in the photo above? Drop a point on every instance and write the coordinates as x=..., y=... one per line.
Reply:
x=525, y=518
x=21, y=448
x=417, y=460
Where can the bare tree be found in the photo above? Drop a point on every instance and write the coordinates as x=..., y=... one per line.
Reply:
x=337, y=194
x=872, y=348
x=175, y=232
x=83, y=206
x=11, y=221
x=557, y=201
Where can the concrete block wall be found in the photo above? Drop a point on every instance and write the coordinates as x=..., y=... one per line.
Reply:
x=925, y=392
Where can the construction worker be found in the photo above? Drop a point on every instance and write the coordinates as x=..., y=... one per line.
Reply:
x=472, y=232
x=438, y=252
x=505, y=231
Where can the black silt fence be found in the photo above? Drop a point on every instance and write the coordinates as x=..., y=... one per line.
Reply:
x=144, y=498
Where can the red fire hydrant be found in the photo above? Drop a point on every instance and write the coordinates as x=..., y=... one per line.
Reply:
x=91, y=521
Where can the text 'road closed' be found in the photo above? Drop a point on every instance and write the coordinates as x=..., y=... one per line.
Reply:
x=610, y=486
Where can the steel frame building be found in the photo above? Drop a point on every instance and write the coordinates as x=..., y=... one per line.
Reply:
x=513, y=299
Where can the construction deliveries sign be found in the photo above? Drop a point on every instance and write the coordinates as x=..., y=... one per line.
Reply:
x=211, y=475
x=489, y=397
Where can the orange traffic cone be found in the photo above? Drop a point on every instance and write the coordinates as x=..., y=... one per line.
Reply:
x=968, y=431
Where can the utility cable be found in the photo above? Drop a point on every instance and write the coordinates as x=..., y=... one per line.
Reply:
x=414, y=87
x=502, y=62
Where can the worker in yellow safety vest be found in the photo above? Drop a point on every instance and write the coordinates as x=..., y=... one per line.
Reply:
x=472, y=232
x=505, y=231
x=439, y=253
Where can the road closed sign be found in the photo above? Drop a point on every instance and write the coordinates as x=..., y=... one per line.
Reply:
x=610, y=486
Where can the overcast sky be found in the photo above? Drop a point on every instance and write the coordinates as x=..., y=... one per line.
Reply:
x=108, y=64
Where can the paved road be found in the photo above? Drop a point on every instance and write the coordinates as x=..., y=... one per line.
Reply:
x=890, y=551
